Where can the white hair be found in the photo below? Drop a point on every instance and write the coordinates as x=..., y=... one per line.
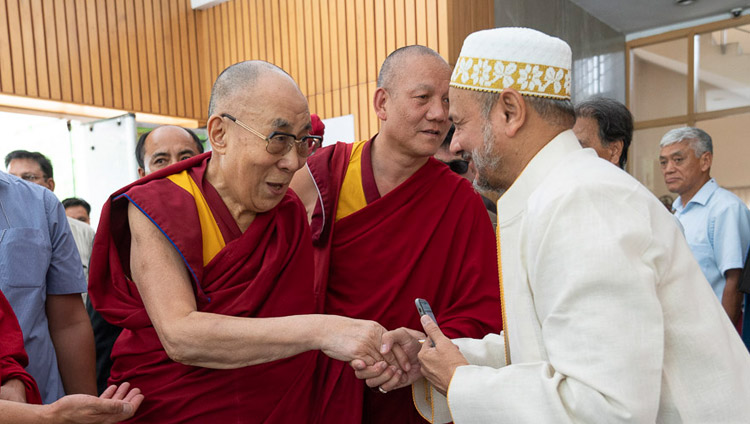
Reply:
x=697, y=139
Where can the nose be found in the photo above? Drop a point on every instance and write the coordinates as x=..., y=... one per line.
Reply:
x=668, y=167
x=291, y=161
x=438, y=110
x=456, y=147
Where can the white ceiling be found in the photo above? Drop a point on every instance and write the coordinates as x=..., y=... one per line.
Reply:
x=628, y=16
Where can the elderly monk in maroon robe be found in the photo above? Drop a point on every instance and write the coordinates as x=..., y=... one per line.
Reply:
x=391, y=224
x=208, y=267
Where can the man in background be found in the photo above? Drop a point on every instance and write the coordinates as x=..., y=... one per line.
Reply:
x=164, y=146
x=42, y=278
x=77, y=208
x=606, y=126
x=716, y=222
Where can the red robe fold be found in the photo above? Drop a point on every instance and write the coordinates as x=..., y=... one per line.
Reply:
x=263, y=272
x=13, y=357
x=430, y=237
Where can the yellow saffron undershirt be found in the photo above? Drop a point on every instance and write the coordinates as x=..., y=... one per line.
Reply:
x=352, y=195
x=213, y=241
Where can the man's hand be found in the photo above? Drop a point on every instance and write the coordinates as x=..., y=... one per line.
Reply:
x=114, y=405
x=439, y=362
x=13, y=390
x=405, y=345
x=347, y=339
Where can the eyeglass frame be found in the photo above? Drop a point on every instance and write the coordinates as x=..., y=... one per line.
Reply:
x=32, y=177
x=317, y=140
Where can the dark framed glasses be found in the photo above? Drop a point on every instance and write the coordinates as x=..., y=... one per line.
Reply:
x=459, y=166
x=280, y=143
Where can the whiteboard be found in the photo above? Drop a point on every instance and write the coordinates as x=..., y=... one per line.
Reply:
x=103, y=159
x=340, y=128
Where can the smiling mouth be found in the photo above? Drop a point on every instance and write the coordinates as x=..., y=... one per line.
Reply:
x=276, y=186
x=431, y=132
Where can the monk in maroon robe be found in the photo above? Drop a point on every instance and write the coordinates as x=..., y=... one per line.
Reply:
x=391, y=224
x=207, y=265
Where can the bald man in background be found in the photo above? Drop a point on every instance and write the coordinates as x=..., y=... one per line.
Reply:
x=163, y=146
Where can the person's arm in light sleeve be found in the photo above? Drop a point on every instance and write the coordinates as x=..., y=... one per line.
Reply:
x=590, y=267
x=219, y=341
x=69, y=326
x=730, y=238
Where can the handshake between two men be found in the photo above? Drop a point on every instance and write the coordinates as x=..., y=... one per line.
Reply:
x=406, y=355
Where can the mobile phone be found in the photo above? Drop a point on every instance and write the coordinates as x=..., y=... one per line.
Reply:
x=423, y=307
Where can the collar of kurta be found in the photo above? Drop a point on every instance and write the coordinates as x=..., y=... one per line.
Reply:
x=701, y=197
x=513, y=201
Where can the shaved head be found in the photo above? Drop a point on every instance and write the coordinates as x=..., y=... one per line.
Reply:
x=238, y=78
x=391, y=68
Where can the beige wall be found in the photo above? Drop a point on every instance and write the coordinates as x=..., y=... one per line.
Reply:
x=161, y=57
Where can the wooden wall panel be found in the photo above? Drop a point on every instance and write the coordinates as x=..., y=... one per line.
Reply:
x=161, y=57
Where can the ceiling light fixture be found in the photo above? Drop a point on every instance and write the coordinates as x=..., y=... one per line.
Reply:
x=684, y=2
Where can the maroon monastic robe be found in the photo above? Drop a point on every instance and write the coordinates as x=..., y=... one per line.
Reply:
x=263, y=272
x=13, y=357
x=430, y=237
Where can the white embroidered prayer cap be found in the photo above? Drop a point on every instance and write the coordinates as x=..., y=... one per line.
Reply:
x=529, y=61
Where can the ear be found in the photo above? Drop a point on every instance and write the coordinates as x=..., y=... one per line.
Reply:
x=510, y=109
x=615, y=151
x=380, y=103
x=216, y=127
x=51, y=184
x=705, y=161
x=141, y=172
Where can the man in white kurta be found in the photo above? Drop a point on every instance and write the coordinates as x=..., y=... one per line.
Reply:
x=608, y=318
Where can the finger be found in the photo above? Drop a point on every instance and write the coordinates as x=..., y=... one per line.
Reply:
x=390, y=373
x=371, y=372
x=131, y=394
x=107, y=394
x=121, y=391
x=133, y=405
x=402, y=358
x=110, y=407
x=396, y=382
x=358, y=364
x=432, y=330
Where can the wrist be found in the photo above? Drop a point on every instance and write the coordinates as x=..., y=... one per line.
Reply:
x=46, y=413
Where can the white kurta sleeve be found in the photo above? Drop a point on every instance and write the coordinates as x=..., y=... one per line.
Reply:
x=590, y=262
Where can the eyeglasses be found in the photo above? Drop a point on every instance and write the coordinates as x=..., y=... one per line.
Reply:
x=458, y=166
x=30, y=177
x=280, y=143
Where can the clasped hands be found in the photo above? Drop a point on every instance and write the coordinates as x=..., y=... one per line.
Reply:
x=406, y=355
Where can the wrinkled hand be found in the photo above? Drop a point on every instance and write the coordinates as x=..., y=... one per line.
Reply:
x=13, y=390
x=439, y=362
x=347, y=339
x=405, y=345
x=114, y=405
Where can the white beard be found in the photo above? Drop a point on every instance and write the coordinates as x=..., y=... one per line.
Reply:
x=487, y=162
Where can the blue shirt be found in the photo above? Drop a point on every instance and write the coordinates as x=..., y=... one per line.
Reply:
x=717, y=228
x=38, y=257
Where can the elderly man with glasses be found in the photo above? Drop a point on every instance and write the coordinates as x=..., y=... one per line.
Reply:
x=207, y=265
